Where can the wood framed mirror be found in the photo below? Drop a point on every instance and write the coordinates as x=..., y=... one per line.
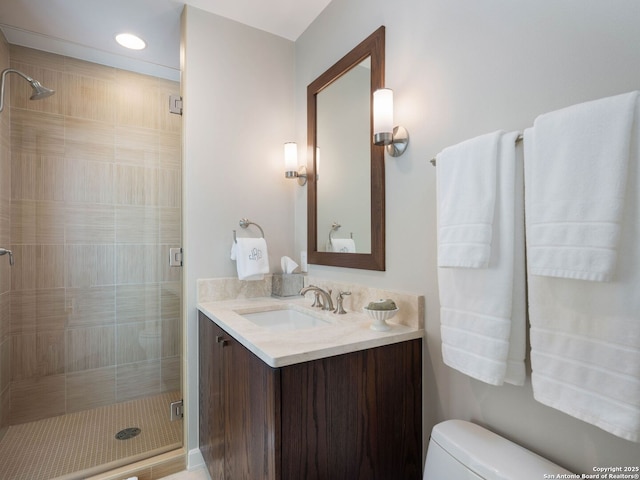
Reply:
x=346, y=184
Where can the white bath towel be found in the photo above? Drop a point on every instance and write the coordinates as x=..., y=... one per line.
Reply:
x=466, y=200
x=585, y=336
x=252, y=258
x=343, y=245
x=483, y=309
x=578, y=180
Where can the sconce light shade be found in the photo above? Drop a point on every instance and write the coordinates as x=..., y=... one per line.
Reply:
x=383, y=116
x=394, y=138
x=290, y=156
x=291, y=169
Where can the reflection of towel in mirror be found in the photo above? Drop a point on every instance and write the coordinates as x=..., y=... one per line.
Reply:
x=252, y=258
x=342, y=245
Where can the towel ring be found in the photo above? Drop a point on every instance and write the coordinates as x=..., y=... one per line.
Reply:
x=334, y=226
x=244, y=223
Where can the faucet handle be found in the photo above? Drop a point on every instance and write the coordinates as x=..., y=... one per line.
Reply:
x=5, y=251
x=340, y=298
x=317, y=302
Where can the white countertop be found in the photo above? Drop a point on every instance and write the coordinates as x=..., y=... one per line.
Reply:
x=342, y=334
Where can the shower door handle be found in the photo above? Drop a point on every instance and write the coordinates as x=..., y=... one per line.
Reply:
x=4, y=251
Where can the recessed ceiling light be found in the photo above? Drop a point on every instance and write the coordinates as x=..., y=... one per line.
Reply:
x=129, y=40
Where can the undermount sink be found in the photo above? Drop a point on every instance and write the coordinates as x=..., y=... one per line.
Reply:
x=283, y=319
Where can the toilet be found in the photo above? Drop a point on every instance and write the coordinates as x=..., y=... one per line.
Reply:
x=460, y=450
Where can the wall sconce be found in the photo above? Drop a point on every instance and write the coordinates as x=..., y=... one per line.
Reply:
x=395, y=138
x=291, y=169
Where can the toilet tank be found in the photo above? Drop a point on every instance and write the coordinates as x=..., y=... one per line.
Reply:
x=460, y=450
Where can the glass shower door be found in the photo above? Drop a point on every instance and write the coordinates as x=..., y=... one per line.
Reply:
x=94, y=309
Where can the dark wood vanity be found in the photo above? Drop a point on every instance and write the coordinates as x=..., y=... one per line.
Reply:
x=345, y=417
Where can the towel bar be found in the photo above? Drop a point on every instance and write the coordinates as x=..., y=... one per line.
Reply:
x=244, y=223
x=518, y=139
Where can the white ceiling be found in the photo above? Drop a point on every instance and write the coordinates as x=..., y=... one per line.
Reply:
x=85, y=29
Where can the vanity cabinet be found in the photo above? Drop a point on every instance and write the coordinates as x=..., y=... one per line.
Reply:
x=351, y=416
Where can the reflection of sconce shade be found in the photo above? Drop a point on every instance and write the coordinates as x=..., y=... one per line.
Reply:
x=291, y=169
x=395, y=138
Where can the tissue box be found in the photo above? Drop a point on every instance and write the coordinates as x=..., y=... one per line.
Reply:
x=286, y=284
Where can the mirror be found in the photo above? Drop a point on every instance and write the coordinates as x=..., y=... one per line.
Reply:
x=345, y=206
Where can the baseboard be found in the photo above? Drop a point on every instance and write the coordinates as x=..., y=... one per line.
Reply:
x=194, y=459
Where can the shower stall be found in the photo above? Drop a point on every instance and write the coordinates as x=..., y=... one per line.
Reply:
x=90, y=309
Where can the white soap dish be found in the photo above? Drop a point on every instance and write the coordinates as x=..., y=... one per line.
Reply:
x=380, y=318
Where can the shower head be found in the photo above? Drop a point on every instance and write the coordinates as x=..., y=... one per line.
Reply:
x=39, y=91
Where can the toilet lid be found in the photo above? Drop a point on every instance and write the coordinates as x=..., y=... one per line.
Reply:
x=490, y=455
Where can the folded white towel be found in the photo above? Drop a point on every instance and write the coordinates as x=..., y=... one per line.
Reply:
x=466, y=199
x=343, y=245
x=483, y=309
x=585, y=336
x=577, y=176
x=252, y=258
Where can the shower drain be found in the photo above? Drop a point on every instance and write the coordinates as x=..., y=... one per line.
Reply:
x=128, y=433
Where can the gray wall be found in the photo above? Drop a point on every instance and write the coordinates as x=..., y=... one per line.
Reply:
x=459, y=69
x=238, y=112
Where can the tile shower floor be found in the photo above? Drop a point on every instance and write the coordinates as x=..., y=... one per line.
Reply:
x=62, y=447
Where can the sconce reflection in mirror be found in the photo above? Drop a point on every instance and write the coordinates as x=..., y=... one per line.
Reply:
x=291, y=168
x=395, y=138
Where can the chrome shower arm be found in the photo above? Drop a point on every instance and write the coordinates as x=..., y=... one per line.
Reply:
x=13, y=70
x=5, y=72
x=39, y=91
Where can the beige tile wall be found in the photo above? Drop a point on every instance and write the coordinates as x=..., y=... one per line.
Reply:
x=91, y=314
x=5, y=240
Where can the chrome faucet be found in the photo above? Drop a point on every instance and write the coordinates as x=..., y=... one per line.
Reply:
x=327, y=302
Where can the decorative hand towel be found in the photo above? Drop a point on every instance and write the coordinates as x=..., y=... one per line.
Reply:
x=585, y=336
x=252, y=258
x=483, y=310
x=466, y=199
x=577, y=176
x=343, y=245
